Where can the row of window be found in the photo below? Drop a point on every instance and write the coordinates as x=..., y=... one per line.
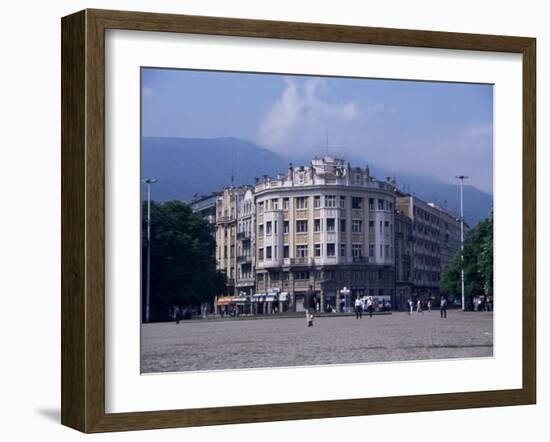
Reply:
x=270, y=252
x=329, y=201
x=363, y=275
x=330, y=226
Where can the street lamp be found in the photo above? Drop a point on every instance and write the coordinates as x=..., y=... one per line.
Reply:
x=148, y=181
x=462, y=178
x=345, y=292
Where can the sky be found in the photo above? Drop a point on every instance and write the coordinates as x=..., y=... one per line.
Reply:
x=427, y=128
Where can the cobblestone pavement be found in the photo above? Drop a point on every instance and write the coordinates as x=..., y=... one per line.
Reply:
x=217, y=345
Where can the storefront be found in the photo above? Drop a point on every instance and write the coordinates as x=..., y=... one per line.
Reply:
x=258, y=304
x=222, y=305
x=284, y=299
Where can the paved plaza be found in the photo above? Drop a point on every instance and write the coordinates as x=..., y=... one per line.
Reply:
x=283, y=342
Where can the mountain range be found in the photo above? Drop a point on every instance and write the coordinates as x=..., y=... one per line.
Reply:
x=190, y=167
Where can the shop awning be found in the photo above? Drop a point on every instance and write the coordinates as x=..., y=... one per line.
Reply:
x=258, y=297
x=225, y=300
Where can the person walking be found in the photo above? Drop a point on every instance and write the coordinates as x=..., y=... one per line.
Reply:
x=370, y=307
x=410, y=306
x=358, y=308
x=419, y=307
x=443, y=307
x=310, y=304
x=429, y=305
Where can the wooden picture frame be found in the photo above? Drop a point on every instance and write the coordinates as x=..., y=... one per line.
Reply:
x=83, y=220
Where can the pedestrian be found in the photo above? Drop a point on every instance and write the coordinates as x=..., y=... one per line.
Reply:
x=370, y=307
x=410, y=306
x=358, y=308
x=419, y=307
x=443, y=307
x=342, y=304
x=177, y=314
x=429, y=305
x=310, y=305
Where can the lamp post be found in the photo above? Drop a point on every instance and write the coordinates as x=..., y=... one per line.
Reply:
x=148, y=181
x=462, y=178
x=345, y=292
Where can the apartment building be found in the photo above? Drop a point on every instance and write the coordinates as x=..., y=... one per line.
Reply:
x=326, y=225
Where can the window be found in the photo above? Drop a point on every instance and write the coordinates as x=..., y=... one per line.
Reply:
x=380, y=204
x=301, y=251
x=268, y=252
x=274, y=204
x=225, y=251
x=275, y=252
x=260, y=254
x=356, y=202
x=342, y=202
x=301, y=202
x=330, y=225
x=301, y=275
x=301, y=226
x=343, y=225
x=275, y=227
x=285, y=203
x=261, y=230
x=356, y=250
x=342, y=250
x=261, y=206
x=381, y=251
x=387, y=250
x=316, y=201
x=285, y=252
x=371, y=226
x=268, y=228
x=275, y=276
x=285, y=276
x=330, y=200
x=285, y=227
x=317, y=250
x=371, y=250
x=371, y=203
x=317, y=225
x=331, y=249
x=356, y=225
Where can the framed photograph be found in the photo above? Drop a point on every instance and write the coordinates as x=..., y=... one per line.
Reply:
x=267, y=221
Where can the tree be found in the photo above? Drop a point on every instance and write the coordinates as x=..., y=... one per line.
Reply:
x=478, y=264
x=183, y=265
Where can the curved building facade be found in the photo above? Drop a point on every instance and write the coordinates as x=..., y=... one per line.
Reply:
x=329, y=226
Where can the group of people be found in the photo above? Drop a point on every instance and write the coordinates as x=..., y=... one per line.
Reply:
x=419, y=310
x=363, y=304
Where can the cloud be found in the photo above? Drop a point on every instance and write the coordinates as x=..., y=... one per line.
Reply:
x=300, y=117
x=147, y=92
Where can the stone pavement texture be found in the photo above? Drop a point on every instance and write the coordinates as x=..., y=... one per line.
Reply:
x=288, y=342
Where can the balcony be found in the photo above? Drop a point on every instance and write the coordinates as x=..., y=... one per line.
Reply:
x=360, y=260
x=243, y=235
x=244, y=258
x=302, y=261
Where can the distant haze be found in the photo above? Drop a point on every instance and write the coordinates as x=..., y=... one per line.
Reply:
x=428, y=129
x=189, y=167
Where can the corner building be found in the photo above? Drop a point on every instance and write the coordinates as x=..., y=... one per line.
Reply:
x=327, y=225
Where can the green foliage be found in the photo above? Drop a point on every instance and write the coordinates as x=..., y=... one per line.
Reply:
x=478, y=264
x=183, y=266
